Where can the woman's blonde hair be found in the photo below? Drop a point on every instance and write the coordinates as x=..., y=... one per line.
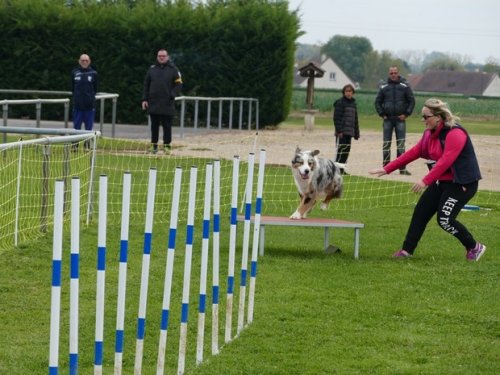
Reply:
x=441, y=109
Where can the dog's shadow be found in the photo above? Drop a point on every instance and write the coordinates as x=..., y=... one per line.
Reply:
x=317, y=253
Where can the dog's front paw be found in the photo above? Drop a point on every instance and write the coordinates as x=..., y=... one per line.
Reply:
x=296, y=216
x=323, y=206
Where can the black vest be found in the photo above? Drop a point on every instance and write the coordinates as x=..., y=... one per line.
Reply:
x=466, y=167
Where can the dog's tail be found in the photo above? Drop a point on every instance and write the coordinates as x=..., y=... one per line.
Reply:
x=339, y=165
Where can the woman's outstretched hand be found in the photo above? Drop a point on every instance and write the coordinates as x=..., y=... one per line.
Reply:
x=378, y=172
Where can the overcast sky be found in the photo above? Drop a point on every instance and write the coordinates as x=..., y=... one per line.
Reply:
x=465, y=27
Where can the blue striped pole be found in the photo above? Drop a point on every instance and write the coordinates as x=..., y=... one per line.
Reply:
x=101, y=274
x=215, y=260
x=204, y=264
x=187, y=271
x=122, y=273
x=232, y=250
x=55, y=304
x=169, y=268
x=256, y=233
x=148, y=235
x=74, y=276
x=246, y=241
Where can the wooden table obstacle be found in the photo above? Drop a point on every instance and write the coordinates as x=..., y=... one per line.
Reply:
x=327, y=224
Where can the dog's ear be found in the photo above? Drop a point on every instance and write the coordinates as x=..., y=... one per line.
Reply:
x=315, y=152
x=297, y=150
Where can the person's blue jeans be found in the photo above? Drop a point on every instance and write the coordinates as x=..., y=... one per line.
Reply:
x=86, y=117
x=390, y=126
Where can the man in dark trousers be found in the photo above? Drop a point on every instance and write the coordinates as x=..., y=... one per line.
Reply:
x=162, y=84
x=84, y=89
x=394, y=103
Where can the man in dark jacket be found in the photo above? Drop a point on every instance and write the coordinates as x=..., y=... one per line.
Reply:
x=394, y=103
x=162, y=84
x=84, y=89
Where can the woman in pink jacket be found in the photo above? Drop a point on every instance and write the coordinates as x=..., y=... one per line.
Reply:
x=451, y=182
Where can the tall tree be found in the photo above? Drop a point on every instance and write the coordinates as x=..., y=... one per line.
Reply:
x=377, y=65
x=442, y=61
x=492, y=66
x=350, y=54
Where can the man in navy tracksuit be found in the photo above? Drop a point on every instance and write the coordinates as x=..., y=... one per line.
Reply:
x=84, y=89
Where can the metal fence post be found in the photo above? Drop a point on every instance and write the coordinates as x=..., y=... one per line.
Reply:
x=38, y=113
x=249, y=114
x=5, y=109
x=209, y=106
x=231, y=114
x=101, y=115
x=66, y=114
x=220, y=114
x=257, y=114
x=113, y=116
x=196, y=105
x=183, y=113
x=241, y=115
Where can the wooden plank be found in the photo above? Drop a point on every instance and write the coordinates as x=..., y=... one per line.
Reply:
x=308, y=222
x=325, y=223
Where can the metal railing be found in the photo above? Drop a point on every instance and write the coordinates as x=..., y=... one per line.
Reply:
x=100, y=96
x=221, y=101
x=250, y=104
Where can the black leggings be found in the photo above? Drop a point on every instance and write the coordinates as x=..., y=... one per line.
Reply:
x=445, y=199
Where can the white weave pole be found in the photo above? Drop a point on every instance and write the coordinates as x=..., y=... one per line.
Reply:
x=187, y=271
x=169, y=269
x=256, y=233
x=215, y=260
x=55, y=302
x=74, y=276
x=232, y=250
x=246, y=241
x=101, y=274
x=122, y=273
x=204, y=264
x=146, y=256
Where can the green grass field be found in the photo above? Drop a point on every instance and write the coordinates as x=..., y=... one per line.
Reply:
x=315, y=313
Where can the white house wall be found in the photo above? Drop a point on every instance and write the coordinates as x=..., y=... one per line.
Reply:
x=493, y=88
x=329, y=66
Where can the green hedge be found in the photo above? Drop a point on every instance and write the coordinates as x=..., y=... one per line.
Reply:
x=229, y=48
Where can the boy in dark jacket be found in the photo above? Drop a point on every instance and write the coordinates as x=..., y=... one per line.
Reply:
x=345, y=118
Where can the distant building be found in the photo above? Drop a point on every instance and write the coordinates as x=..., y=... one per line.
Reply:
x=451, y=82
x=333, y=78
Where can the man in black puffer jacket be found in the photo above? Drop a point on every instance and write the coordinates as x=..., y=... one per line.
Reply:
x=345, y=119
x=394, y=103
x=162, y=84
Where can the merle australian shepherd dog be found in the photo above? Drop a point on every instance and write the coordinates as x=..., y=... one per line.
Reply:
x=316, y=178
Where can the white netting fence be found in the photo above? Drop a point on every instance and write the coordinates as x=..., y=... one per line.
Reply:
x=27, y=173
x=25, y=189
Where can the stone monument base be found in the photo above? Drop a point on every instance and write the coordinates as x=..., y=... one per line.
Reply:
x=309, y=118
